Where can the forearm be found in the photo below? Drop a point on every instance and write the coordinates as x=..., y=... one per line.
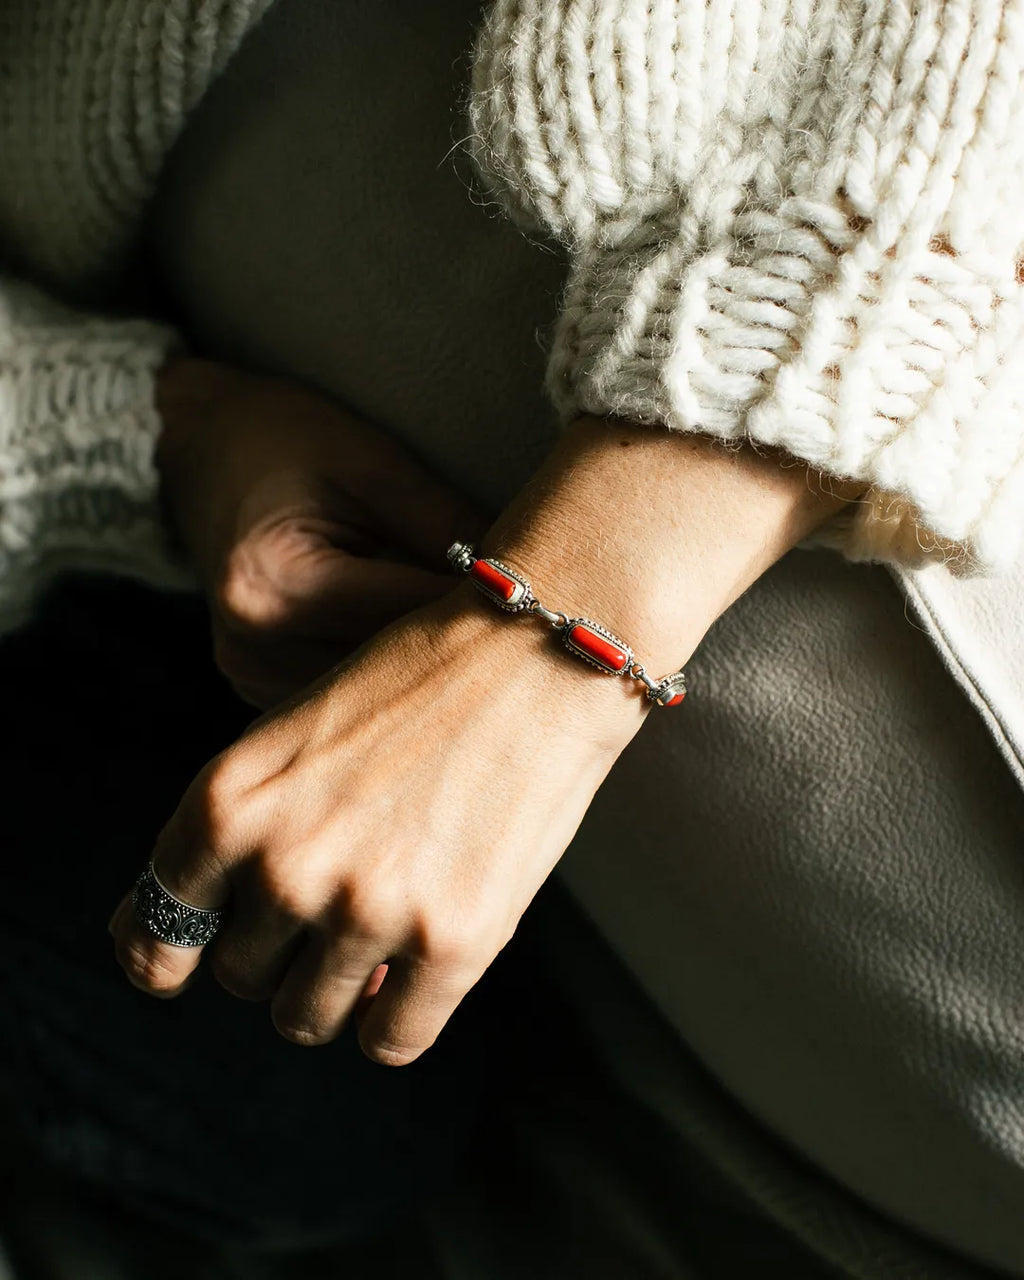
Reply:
x=443, y=724
x=654, y=534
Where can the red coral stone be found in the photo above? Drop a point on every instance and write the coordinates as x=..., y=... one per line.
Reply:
x=497, y=583
x=675, y=700
x=603, y=651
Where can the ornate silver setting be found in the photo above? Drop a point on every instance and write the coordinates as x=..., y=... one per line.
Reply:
x=460, y=556
x=596, y=627
x=170, y=919
x=669, y=687
x=517, y=603
x=667, y=691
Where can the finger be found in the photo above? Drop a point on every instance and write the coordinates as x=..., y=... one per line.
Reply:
x=408, y=503
x=265, y=672
x=151, y=964
x=410, y=1010
x=376, y=980
x=339, y=596
x=191, y=861
x=253, y=952
x=319, y=593
x=323, y=986
x=369, y=993
x=122, y=908
x=266, y=669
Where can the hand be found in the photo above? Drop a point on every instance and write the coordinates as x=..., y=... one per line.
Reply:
x=403, y=812
x=309, y=529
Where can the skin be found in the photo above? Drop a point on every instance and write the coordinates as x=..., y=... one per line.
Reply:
x=309, y=528
x=365, y=823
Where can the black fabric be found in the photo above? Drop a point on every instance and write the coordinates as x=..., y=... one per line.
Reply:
x=194, y=1109
x=194, y=1112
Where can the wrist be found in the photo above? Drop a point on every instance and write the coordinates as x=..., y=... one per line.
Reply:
x=186, y=388
x=586, y=534
x=515, y=658
x=654, y=533
x=660, y=619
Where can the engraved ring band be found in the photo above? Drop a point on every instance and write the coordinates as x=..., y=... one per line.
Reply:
x=170, y=919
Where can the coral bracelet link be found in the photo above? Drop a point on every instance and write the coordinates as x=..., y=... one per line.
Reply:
x=588, y=640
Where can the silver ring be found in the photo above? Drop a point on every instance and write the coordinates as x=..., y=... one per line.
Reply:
x=170, y=919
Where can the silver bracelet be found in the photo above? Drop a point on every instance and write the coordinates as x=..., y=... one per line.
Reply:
x=588, y=640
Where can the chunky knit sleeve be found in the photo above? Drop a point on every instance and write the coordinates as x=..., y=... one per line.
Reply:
x=77, y=429
x=795, y=222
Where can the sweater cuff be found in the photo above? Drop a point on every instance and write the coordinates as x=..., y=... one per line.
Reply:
x=78, y=483
x=796, y=333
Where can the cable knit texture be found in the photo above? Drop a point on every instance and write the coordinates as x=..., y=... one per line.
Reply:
x=92, y=94
x=790, y=221
x=793, y=221
x=77, y=431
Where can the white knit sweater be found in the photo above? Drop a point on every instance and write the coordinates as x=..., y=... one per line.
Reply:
x=790, y=221
x=793, y=221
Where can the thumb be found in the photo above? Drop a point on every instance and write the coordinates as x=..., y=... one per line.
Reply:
x=333, y=595
x=422, y=514
x=320, y=592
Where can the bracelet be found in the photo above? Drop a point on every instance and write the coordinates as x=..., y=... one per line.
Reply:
x=588, y=640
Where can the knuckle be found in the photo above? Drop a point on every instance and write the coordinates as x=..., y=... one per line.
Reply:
x=308, y=1037
x=245, y=597
x=448, y=947
x=215, y=801
x=277, y=884
x=147, y=969
x=291, y=902
x=388, y=1054
x=365, y=911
